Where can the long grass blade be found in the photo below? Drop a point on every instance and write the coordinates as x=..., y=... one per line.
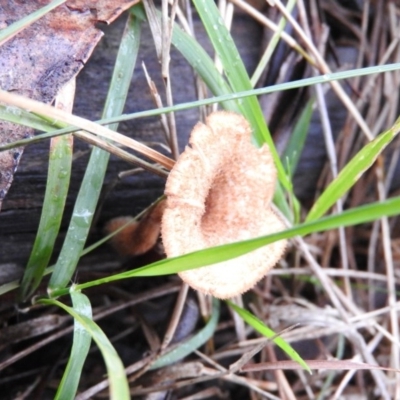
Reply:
x=351, y=173
x=9, y=113
x=204, y=66
x=237, y=76
x=22, y=117
x=273, y=43
x=200, y=61
x=291, y=157
x=25, y=118
x=119, y=388
x=59, y=173
x=92, y=182
x=192, y=344
x=260, y=327
x=294, y=148
x=65, y=119
x=217, y=254
x=80, y=349
x=58, y=179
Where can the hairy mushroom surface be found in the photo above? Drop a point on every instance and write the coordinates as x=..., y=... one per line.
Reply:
x=218, y=192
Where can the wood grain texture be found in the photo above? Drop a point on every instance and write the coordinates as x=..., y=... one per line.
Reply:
x=22, y=206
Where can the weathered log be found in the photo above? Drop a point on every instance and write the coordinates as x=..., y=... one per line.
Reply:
x=21, y=209
x=22, y=206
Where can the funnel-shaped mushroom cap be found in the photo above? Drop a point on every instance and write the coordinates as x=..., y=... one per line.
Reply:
x=219, y=192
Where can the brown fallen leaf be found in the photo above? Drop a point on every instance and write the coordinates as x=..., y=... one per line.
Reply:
x=42, y=58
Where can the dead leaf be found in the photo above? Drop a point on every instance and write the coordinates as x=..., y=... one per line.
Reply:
x=42, y=58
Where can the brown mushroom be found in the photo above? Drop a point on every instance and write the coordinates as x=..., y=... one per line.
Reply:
x=137, y=237
x=218, y=192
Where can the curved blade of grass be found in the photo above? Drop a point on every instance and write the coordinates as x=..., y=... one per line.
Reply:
x=214, y=255
x=18, y=26
x=217, y=254
x=260, y=327
x=238, y=79
x=59, y=174
x=64, y=118
x=119, y=388
x=351, y=173
x=237, y=76
x=23, y=117
x=192, y=344
x=93, y=180
x=8, y=113
x=202, y=63
x=295, y=145
x=197, y=57
x=273, y=43
x=291, y=156
x=80, y=349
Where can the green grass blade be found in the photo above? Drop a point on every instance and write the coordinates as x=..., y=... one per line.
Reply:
x=59, y=174
x=80, y=221
x=93, y=180
x=238, y=79
x=351, y=173
x=119, y=388
x=197, y=57
x=217, y=254
x=280, y=199
x=80, y=349
x=291, y=156
x=204, y=66
x=237, y=76
x=273, y=43
x=229, y=56
x=11, y=113
x=18, y=26
x=260, y=327
x=60, y=159
x=233, y=67
x=193, y=343
x=22, y=117
x=295, y=145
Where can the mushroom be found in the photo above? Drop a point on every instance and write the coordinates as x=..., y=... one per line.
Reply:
x=220, y=191
x=137, y=237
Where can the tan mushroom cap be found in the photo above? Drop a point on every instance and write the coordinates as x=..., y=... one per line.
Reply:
x=218, y=192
